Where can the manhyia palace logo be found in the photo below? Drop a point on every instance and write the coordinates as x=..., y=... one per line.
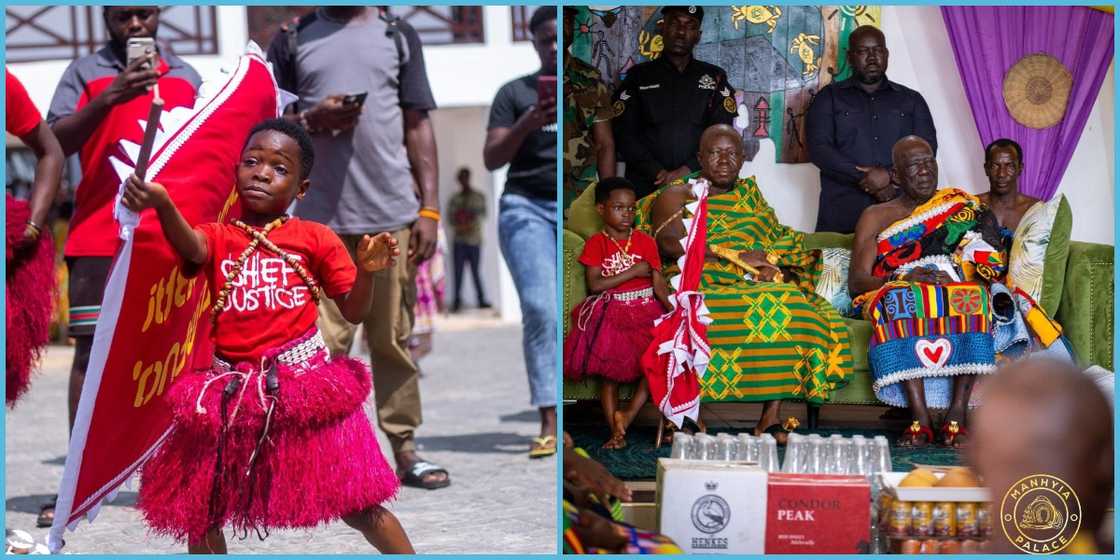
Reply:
x=1040, y=514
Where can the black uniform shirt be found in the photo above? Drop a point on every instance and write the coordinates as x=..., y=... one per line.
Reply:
x=846, y=127
x=660, y=114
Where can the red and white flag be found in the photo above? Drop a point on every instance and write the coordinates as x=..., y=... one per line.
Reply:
x=677, y=358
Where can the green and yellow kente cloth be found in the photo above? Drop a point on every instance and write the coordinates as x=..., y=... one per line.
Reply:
x=769, y=340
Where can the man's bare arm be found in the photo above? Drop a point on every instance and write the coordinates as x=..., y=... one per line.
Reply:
x=420, y=143
x=860, y=279
x=665, y=217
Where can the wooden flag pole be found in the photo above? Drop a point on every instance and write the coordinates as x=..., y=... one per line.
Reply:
x=149, y=135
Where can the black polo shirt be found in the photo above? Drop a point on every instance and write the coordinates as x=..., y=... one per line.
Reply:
x=846, y=127
x=660, y=114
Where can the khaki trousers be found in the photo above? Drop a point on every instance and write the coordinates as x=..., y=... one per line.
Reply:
x=396, y=379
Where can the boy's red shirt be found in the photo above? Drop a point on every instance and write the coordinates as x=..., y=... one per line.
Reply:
x=269, y=304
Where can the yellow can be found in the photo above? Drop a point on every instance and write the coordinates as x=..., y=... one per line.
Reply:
x=921, y=519
x=967, y=526
x=984, y=520
x=945, y=519
x=899, y=519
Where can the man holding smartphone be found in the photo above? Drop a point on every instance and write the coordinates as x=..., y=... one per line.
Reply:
x=100, y=100
x=364, y=97
x=522, y=133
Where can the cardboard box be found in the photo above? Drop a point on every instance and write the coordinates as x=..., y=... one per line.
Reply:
x=711, y=507
x=817, y=513
x=640, y=515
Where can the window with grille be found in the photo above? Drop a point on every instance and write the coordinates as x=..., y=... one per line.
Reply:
x=37, y=33
x=436, y=25
x=444, y=25
x=520, y=16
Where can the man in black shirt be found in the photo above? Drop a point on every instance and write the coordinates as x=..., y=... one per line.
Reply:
x=522, y=133
x=851, y=127
x=664, y=105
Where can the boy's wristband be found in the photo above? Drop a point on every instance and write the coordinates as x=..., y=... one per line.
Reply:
x=430, y=213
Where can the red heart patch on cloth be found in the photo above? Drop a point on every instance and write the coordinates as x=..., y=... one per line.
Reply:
x=933, y=354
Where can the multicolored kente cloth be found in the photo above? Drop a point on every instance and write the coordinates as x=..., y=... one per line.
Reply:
x=768, y=340
x=638, y=541
x=933, y=331
x=586, y=102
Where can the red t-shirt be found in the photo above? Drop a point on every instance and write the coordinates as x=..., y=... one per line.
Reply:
x=93, y=231
x=20, y=111
x=270, y=305
x=600, y=250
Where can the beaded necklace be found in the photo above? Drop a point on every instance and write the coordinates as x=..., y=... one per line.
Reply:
x=620, y=261
x=629, y=238
x=260, y=237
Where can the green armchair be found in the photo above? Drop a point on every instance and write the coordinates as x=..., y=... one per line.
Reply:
x=1078, y=294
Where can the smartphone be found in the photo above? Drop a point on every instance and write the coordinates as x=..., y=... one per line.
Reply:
x=355, y=98
x=140, y=47
x=546, y=87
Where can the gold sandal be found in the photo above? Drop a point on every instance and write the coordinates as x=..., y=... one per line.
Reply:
x=543, y=447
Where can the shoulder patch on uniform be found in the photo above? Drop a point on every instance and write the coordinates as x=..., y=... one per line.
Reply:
x=619, y=107
x=729, y=104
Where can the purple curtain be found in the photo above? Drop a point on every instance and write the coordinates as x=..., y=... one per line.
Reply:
x=988, y=40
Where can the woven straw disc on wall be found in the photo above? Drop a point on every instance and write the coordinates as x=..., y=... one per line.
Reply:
x=1036, y=90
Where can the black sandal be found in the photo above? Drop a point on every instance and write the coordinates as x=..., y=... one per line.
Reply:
x=46, y=513
x=414, y=476
x=788, y=427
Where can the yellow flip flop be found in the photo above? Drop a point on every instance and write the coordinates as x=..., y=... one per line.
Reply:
x=543, y=447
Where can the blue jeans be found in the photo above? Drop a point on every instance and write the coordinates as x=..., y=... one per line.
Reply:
x=527, y=232
x=464, y=254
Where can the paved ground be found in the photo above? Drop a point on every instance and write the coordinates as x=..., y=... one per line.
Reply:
x=477, y=423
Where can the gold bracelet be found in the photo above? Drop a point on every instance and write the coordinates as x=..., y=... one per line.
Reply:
x=675, y=215
x=430, y=213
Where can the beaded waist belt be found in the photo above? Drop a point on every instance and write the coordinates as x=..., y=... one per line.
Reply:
x=296, y=354
x=634, y=295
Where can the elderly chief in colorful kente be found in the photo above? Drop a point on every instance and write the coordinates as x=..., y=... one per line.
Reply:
x=923, y=263
x=771, y=336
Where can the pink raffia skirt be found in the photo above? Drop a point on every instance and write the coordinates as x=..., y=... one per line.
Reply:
x=609, y=333
x=29, y=297
x=319, y=462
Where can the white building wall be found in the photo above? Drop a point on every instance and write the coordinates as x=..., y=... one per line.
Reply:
x=922, y=58
x=464, y=80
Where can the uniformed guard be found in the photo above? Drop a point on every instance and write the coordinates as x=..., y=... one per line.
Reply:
x=664, y=105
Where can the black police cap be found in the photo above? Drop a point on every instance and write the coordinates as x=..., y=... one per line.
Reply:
x=694, y=11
